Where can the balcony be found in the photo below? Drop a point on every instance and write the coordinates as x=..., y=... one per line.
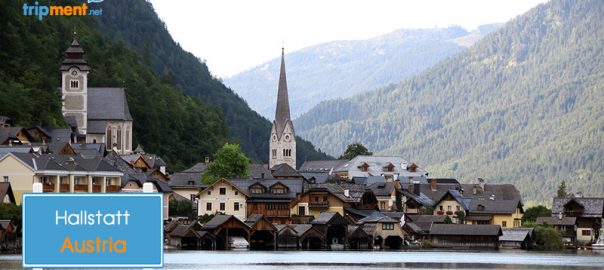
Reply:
x=79, y=188
x=323, y=204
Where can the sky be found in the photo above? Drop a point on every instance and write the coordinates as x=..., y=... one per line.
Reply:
x=235, y=35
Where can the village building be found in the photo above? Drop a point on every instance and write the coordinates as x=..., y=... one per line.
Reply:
x=333, y=228
x=391, y=167
x=271, y=198
x=225, y=228
x=465, y=236
x=58, y=173
x=223, y=197
x=588, y=213
x=386, y=193
x=187, y=184
x=282, y=141
x=101, y=114
x=385, y=231
x=566, y=225
x=517, y=238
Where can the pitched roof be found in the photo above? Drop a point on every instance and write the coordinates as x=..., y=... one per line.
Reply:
x=463, y=229
x=331, y=218
x=383, y=189
x=60, y=135
x=355, y=192
x=9, y=132
x=376, y=166
x=259, y=171
x=564, y=221
x=89, y=149
x=321, y=165
x=106, y=103
x=6, y=190
x=516, y=234
x=74, y=57
x=592, y=207
x=284, y=170
x=294, y=187
x=377, y=217
x=315, y=177
x=54, y=162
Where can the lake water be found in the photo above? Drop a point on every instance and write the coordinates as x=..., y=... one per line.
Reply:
x=334, y=260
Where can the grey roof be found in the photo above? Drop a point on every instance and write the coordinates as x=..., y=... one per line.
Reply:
x=197, y=168
x=218, y=220
x=4, y=223
x=321, y=165
x=355, y=192
x=463, y=229
x=5, y=149
x=516, y=234
x=383, y=189
x=424, y=222
x=190, y=177
x=329, y=218
x=108, y=104
x=283, y=170
x=479, y=217
x=421, y=198
x=9, y=132
x=315, y=177
x=89, y=149
x=294, y=186
x=377, y=165
x=377, y=217
x=301, y=229
x=96, y=126
x=592, y=207
x=375, y=179
x=154, y=161
x=450, y=181
x=564, y=221
x=260, y=171
x=179, y=198
x=75, y=57
x=60, y=135
x=361, y=213
x=361, y=180
x=494, y=206
x=56, y=162
x=131, y=174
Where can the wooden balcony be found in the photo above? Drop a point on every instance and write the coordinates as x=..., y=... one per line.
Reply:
x=80, y=188
x=318, y=204
x=113, y=189
x=48, y=188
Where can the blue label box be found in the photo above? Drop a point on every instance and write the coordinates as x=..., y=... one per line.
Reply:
x=92, y=230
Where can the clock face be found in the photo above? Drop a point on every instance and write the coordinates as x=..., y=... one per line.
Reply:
x=74, y=73
x=274, y=138
x=287, y=138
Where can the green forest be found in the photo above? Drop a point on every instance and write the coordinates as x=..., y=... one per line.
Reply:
x=524, y=106
x=180, y=111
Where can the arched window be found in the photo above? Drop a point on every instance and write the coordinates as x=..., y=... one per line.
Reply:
x=127, y=146
x=108, y=138
x=119, y=137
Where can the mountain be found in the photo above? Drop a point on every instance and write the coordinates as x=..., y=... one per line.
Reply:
x=524, y=105
x=344, y=68
x=183, y=126
x=137, y=26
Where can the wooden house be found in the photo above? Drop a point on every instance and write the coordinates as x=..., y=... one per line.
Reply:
x=587, y=211
x=465, y=236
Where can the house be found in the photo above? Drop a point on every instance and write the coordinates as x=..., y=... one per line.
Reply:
x=190, y=236
x=14, y=136
x=506, y=213
x=285, y=171
x=223, y=197
x=391, y=167
x=414, y=201
x=520, y=238
x=187, y=183
x=58, y=173
x=465, y=236
x=287, y=236
x=334, y=229
x=385, y=193
x=6, y=193
x=423, y=223
x=588, y=211
x=325, y=167
x=453, y=205
x=223, y=228
x=264, y=233
x=271, y=198
x=384, y=231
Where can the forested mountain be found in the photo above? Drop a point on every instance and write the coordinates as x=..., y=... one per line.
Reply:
x=524, y=105
x=344, y=68
x=136, y=24
x=181, y=128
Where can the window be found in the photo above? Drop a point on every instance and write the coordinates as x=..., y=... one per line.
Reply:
x=222, y=206
x=316, y=199
x=440, y=207
x=517, y=223
x=236, y=192
x=127, y=146
x=388, y=226
x=449, y=208
x=108, y=138
x=5, y=178
x=222, y=191
x=586, y=232
x=119, y=138
x=278, y=190
x=504, y=224
x=324, y=198
x=209, y=192
x=192, y=197
x=74, y=84
x=256, y=190
x=301, y=210
x=382, y=205
x=458, y=208
x=209, y=206
x=191, y=183
x=236, y=206
x=274, y=153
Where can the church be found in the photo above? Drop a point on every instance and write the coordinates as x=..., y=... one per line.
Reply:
x=282, y=143
x=100, y=114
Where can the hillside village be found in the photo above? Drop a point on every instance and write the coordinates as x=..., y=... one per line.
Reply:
x=367, y=202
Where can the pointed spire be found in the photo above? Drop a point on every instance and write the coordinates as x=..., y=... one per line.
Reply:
x=74, y=56
x=282, y=113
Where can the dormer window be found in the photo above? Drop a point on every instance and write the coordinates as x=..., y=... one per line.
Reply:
x=256, y=190
x=364, y=167
x=389, y=167
x=278, y=191
x=191, y=183
x=74, y=84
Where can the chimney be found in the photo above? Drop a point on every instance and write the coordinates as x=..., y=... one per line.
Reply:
x=474, y=190
x=416, y=189
x=347, y=193
x=207, y=160
x=434, y=185
x=412, y=167
x=560, y=216
x=481, y=183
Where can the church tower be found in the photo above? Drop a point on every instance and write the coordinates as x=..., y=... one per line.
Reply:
x=283, y=139
x=74, y=85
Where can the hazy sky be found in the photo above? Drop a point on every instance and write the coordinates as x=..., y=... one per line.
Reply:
x=235, y=35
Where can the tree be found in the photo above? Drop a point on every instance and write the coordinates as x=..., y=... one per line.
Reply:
x=562, y=191
x=548, y=237
x=229, y=162
x=354, y=150
x=531, y=214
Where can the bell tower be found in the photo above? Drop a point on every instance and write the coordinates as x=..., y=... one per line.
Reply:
x=74, y=85
x=283, y=139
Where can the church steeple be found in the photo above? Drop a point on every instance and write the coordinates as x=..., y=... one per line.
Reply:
x=283, y=139
x=282, y=112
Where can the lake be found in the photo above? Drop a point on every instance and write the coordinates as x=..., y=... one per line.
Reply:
x=403, y=259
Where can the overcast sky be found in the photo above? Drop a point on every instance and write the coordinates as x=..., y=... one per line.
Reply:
x=235, y=35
